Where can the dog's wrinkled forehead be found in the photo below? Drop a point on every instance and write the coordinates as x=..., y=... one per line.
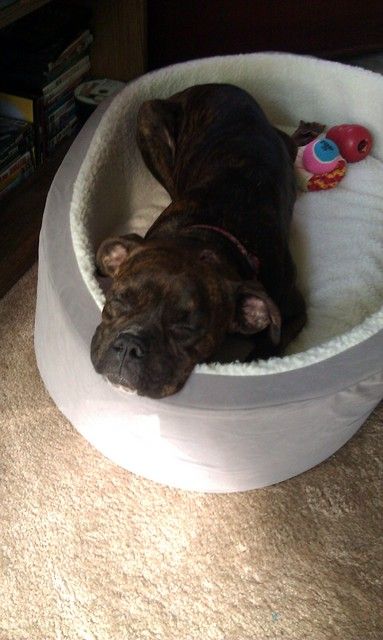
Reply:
x=149, y=280
x=162, y=258
x=157, y=268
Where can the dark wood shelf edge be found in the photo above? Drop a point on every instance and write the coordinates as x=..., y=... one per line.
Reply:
x=19, y=10
x=21, y=213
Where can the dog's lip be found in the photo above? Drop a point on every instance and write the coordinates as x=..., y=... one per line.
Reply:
x=121, y=387
x=117, y=380
x=121, y=383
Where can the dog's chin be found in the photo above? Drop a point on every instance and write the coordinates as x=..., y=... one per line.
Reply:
x=153, y=392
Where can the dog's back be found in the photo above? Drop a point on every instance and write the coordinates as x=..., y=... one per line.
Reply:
x=226, y=143
x=238, y=168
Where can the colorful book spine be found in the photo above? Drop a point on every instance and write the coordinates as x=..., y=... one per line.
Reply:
x=76, y=47
x=59, y=118
x=64, y=133
x=66, y=79
x=15, y=172
x=13, y=152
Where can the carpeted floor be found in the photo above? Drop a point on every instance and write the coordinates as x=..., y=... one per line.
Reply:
x=90, y=552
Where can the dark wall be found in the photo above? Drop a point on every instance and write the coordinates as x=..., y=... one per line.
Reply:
x=186, y=29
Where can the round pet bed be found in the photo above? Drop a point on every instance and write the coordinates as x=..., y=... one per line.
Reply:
x=236, y=426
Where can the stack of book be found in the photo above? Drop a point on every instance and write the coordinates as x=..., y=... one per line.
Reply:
x=17, y=158
x=43, y=58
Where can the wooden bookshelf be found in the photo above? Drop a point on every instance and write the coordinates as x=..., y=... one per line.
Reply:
x=118, y=52
x=19, y=10
x=21, y=213
x=120, y=35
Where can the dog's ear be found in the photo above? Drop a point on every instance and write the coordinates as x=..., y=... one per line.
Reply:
x=255, y=311
x=307, y=132
x=113, y=252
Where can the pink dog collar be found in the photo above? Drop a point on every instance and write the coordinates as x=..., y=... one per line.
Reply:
x=251, y=258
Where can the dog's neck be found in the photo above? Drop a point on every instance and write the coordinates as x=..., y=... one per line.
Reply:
x=191, y=225
x=252, y=260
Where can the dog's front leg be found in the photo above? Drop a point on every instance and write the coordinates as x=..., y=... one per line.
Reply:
x=157, y=138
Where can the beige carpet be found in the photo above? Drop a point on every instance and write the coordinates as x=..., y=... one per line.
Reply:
x=90, y=552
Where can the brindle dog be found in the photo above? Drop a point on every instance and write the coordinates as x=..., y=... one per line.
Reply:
x=216, y=261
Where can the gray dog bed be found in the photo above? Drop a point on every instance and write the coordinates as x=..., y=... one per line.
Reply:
x=235, y=426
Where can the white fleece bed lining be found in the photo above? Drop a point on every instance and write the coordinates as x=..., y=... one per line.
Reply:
x=337, y=236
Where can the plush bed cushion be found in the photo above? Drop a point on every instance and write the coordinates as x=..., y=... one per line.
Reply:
x=336, y=237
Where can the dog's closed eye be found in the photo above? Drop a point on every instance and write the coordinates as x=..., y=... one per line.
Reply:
x=183, y=328
x=184, y=332
x=117, y=305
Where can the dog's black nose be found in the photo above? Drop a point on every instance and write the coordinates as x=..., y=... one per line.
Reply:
x=129, y=346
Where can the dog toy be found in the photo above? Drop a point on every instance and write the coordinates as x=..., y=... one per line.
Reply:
x=354, y=141
x=320, y=156
x=321, y=161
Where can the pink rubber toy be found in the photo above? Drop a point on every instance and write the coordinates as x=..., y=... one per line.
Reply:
x=320, y=156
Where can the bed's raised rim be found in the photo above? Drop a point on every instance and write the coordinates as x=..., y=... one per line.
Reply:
x=372, y=325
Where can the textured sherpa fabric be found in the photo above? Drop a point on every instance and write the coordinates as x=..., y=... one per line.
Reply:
x=337, y=236
x=89, y=551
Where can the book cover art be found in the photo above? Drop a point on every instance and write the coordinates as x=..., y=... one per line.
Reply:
x=18, y=107
x=28, y=108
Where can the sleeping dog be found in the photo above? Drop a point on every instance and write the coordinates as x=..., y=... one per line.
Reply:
x=216, y=262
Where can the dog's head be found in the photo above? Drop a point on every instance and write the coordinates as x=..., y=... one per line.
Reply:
x=170, y=306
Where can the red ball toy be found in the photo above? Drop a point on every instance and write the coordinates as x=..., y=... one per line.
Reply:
x=353, y=140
